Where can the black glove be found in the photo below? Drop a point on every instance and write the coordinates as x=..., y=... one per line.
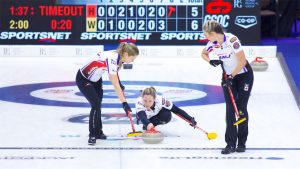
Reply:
x=126, y=107
x=215, y=63
x=193, y=122
x=229, y=80
x=122, y=87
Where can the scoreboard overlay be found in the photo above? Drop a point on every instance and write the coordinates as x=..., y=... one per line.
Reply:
x=149, y=22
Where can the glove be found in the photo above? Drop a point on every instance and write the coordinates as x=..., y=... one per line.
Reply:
x=122, y=87
x=126, y=107
x=193, y=122
x=229, y=80
x=215, y=63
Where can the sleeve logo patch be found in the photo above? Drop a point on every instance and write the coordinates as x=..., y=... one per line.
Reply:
x=233, y=39
x=236, y=45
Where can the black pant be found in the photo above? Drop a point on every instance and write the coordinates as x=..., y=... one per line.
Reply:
x=241, y=89
x=163, y=117
x=93, y=92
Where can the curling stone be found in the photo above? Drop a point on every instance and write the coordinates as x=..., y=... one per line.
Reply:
x=259, y=65
x=127, y=66
x=152, y=137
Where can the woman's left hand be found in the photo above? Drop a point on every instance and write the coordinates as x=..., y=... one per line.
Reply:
x=150, y=126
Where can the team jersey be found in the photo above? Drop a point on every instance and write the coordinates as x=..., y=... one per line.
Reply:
x=226, y=52
x=159, y=104
x=106, y=61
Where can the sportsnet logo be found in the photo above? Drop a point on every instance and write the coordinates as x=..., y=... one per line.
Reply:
x=245, y=21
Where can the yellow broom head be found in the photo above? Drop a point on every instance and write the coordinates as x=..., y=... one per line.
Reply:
x=135, y=134
x=240, y=121
x=212, y=136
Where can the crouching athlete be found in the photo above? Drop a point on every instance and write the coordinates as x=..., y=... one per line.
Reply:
x=153, y=110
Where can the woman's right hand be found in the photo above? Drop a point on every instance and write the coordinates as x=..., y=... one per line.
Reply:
x=126, y=108
x=215, y=62
x=150, y=126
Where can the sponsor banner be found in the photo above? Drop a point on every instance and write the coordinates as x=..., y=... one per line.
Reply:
x=220, y=158
x=52, y=51
x=240, y=17
x=145, y=51
x=36, y=158
x=195, y=51
x=245, y=21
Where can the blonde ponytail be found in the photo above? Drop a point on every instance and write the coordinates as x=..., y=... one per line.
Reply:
x=129, y=48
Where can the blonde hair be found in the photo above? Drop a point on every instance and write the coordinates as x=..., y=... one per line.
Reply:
x=212, y=26
x=129, y=48
x=149, y=91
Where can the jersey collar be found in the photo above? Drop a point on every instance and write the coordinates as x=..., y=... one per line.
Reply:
x=224, y=40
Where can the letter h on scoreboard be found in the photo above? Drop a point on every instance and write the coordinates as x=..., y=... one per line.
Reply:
x=91, y=18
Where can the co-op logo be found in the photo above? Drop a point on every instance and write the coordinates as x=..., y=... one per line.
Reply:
x=245, y=21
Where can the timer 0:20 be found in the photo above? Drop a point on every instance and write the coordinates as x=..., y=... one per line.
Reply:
x=61, y=24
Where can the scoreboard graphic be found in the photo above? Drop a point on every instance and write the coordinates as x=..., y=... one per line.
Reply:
x=149, y=22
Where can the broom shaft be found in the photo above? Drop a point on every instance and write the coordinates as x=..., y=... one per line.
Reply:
x=230, y=94
x=191, y=123
x=131, y=122
x=128, y=113
x=233, y=103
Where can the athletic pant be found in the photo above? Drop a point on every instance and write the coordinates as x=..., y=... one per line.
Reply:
x=93, y=92
x=241, y=89
x=163, y=117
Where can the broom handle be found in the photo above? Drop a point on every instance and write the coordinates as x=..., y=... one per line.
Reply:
x=231, y=95
x=233, y=103
x=128, y=113
x=131, y=122
x=191, y=123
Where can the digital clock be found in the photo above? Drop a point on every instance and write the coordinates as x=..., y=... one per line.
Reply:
x=21, y=10
x=63, y=24
x=159, y=22
x=18, y=24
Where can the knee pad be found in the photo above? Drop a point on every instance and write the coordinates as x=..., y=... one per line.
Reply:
x=165, y=117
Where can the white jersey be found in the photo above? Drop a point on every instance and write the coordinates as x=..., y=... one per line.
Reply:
x=107, y=61
x=159, y=104
x=226, y=52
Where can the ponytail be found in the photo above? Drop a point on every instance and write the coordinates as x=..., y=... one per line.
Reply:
x=129, y=48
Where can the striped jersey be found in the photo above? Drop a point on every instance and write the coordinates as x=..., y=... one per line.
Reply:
x=106, y=61
x=159, y=103
x=226, y=52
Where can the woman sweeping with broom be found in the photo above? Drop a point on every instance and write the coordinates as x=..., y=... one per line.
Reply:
x=237, y=82
x=89, y=82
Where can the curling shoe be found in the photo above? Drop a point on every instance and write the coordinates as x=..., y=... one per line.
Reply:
x=228, y=149
x=92, y=141
x=240, y=148
x=101, y=136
